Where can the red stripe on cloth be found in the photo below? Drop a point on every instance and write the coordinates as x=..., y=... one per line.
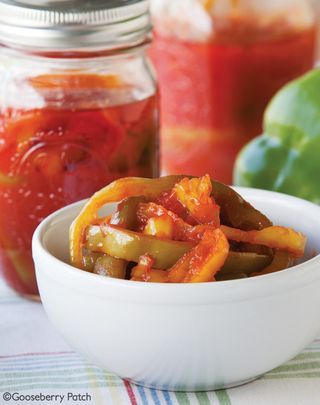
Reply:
x=130, y=393
x=35, y=354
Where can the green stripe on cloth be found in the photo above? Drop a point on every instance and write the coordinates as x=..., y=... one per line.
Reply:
x=223, y=397
x=49, y=373
x=182, y=398
x=115, y=395
x=203, y=398
x=315, y=365
x=271, y=376
x=306, y=355
x=92, y=377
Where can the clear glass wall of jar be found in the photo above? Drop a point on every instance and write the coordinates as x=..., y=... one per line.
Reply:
x=219, y=63
x=71, y=121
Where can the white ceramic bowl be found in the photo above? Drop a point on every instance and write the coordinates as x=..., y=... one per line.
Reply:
x=181, y=336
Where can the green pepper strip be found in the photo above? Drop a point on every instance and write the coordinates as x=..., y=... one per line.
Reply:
x=109, y=266
x=128, y=245
x=125, y=217
x=242, y=264
x=281, y=260
x=126, y=214
x=235, y=211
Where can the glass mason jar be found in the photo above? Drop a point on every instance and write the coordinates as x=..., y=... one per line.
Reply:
x=219, y=62
x=78, y=109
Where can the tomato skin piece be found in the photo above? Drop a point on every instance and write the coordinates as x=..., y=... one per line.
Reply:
x=195, y=195
x=203, y=261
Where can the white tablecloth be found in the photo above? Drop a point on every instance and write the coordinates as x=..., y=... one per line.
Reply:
x=38, y=367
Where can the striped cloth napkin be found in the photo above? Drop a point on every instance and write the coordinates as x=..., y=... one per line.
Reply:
x=37, y=367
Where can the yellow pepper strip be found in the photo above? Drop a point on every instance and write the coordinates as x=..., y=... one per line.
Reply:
x=6, y=180
x=203, y=261
x=162, y=227
x=278, y=237
x=144, y=271
x=114, y=192
x=77, y=80
x=181, y=230
x=153, y=276
x=208, y=4
x=195, y=195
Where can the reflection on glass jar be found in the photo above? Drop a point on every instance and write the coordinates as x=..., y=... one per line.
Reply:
x=219, y=63
x=70, y=123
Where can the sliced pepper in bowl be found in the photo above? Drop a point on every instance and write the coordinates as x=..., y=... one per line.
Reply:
x=178, y=229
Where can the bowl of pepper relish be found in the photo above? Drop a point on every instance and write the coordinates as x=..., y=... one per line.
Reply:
x=183, y=336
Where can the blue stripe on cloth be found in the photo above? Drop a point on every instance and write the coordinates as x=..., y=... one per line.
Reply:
x=155, y=396
x=167, y=397
x=142, y=395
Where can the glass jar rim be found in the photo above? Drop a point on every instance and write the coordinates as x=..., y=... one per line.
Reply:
x=56, y=25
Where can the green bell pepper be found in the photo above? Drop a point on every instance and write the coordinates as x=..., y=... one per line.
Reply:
x=286, y=157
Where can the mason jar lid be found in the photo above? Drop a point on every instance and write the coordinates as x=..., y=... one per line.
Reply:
x=73, y=24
